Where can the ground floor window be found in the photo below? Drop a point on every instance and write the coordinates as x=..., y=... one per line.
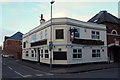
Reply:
x=59, y=55
x=32, y=55
x=96, y=53
x=46, y=54
x=26, y=53
x=41, y=53
x=77, y=53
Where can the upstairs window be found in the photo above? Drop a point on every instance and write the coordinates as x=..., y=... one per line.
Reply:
x=77, y=33
x=41, y=35
x=59, y=34
x=46, y=34
x=24, y=44
x=33, y=37
x=114, y=32
x=95, y=35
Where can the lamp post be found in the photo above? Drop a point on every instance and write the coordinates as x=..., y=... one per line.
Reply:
x=50, y=43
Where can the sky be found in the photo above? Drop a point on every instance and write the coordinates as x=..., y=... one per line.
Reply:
x=24, y=15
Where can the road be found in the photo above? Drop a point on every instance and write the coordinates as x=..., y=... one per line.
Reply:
x=11, y=69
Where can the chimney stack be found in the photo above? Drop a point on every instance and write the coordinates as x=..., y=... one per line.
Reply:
x=42, y=20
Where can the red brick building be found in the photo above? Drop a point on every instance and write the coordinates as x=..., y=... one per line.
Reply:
x=113, y=33
x=12, y=45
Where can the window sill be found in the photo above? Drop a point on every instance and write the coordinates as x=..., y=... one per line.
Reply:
x=96, y=57
x=77, y=58
x=46, y=58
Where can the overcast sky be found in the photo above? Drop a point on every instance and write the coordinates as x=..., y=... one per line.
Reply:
x=24, y=15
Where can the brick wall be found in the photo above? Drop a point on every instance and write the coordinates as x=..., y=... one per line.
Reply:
x=13, y=47
x=110, y=27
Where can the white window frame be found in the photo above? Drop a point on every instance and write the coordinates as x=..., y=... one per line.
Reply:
x=98, y=54
x=26, y=53
x=41, y=53
x=46, y=34
x=95, y=36
x=33, y=37
x=41, y=35
x=77, y=53
x=46, y=53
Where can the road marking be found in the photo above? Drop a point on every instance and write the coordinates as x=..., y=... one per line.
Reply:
x=49, y=74
x=10, y=68
x=38, y=74
x=27, y=75
x=18, y=73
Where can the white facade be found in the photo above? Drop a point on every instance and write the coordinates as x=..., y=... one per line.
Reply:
x=65, y=51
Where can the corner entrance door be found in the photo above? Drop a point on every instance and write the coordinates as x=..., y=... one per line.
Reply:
x=38, y=55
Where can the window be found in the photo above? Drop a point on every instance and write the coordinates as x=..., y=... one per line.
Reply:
x=95, y=20
x=32, y=51
x=77, y=53
x=46, y=54
x=59, y=34
x=77, y=33
x=35, y=52
x=26, y=53
x=95, y=35
x=114, y=32
x=59, y=55
x=24, y=44
x=46, y=34
x=32, y=55
x=42, y=53
x=41, y=35
x=96, y=53
x=33, y=38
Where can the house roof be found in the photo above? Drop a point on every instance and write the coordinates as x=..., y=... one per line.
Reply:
x=104, y=16
x=16, y=36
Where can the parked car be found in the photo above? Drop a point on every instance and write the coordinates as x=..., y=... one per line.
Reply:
x=5, y=56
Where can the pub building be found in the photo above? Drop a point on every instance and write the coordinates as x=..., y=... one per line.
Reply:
x=113, y=33
x=74, y=42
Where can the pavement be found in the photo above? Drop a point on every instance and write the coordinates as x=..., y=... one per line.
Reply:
x=68, y=69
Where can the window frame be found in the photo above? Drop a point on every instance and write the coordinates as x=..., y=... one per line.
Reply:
x=96, y=53
x=77, y=53
x=78, y=32
x=114, y=31
x=46, y=53
x=33, y=37
x=95, y=35
x=41, y=53
x=46, y=33
x=56, y=35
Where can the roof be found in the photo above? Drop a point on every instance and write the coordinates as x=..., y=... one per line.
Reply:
x=104, y=16
x=16, y=36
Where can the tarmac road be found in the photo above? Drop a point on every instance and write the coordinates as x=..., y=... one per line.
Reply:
x=12, y=69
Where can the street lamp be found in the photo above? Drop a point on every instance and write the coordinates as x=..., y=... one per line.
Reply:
x=50, y=43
